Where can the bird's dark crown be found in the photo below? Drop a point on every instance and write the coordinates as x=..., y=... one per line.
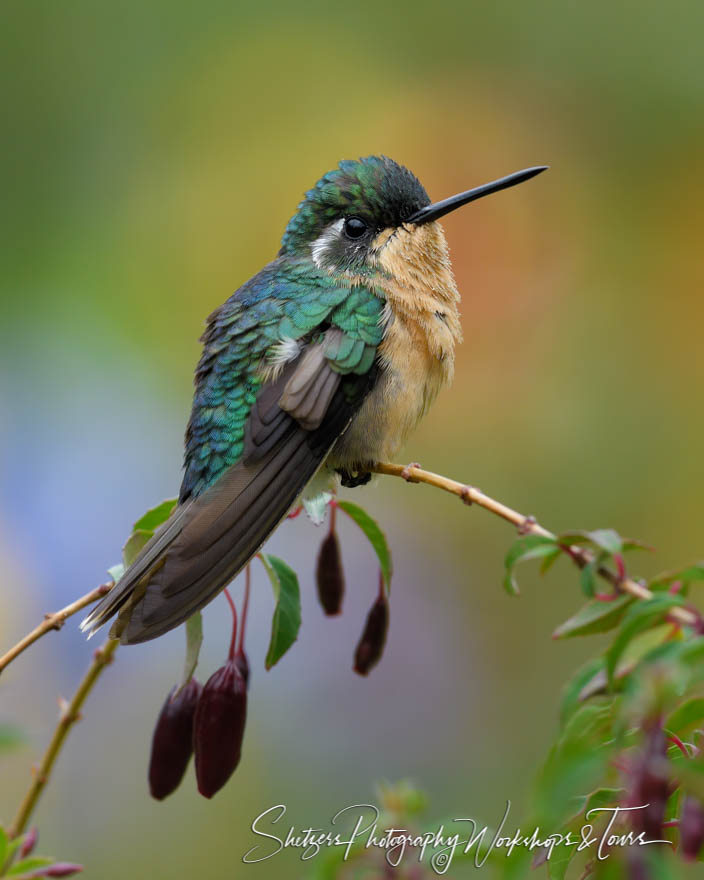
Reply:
x=375, y=189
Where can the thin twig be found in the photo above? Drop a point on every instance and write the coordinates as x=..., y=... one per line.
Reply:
x=54, y=621
x=526, y=525
x=69, y=715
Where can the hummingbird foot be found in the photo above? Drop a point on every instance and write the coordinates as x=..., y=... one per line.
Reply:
x=351, y=479
x=406, y=472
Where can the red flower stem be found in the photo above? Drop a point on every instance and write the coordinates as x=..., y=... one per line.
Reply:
x=231, y=653
x=245, y=605
x=678, y=742
x=333, y=511
x=620, y=566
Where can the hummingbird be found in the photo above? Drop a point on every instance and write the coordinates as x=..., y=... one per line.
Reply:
x=316, y=368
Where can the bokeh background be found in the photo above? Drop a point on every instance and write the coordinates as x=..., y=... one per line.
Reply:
x=151, y=156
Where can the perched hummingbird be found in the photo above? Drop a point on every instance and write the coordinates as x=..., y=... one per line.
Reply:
x=317, y=367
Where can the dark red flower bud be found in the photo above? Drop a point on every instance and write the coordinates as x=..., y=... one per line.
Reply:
x=242, y=663
x=691, y=828
x=371, y=645
x=60, y=869
x=218, y=728
x=651, y=784
x=329, y=575
x=29, y=841
x=172, y=743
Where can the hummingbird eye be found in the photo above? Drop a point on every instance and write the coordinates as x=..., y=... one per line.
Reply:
x=355, y=227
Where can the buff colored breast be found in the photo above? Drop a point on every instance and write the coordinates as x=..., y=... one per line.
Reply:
x=417, y=354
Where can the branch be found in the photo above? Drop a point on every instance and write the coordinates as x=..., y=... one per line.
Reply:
x=54, y=621
x=69, y=715
x=526, y=525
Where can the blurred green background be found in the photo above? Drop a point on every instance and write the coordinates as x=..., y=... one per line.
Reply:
x=151, y=155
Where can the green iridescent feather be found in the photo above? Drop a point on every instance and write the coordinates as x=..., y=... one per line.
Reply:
x=288, y=299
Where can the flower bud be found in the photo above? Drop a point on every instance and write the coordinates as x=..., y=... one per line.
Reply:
x=172, y=743
x=218, y=728
x=651, y=785
x=242, y=663
x=371, y=645
x=691, y=828
x=29, y=841
x=329, y=575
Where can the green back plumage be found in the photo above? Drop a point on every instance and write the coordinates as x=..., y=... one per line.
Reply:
x=288, y=299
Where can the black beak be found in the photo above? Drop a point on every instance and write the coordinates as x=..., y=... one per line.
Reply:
x=439, y=209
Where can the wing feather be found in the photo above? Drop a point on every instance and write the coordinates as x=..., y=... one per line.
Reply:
x=293, y=424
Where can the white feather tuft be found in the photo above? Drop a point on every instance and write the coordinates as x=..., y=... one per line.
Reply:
x=320, y=246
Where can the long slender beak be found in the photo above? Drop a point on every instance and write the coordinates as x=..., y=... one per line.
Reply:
x=439, y=209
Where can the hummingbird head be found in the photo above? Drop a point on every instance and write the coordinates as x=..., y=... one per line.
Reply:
x=350, y=219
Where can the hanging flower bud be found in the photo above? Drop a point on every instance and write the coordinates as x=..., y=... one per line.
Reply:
x=218, y=727
x=242, y=663
x=329, y=575
x=691, y=828
x=29, y=841
x=651, y=786
x=172, y=743
x=371, y=645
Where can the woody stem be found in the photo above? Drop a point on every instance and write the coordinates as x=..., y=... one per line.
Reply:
x=69, y=715
x=526, y=525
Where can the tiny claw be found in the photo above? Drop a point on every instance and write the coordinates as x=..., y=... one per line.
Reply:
x=406, y=472
x=526, y=527
x=466, y=494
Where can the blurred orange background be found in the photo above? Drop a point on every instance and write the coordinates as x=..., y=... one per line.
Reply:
x=153, y=154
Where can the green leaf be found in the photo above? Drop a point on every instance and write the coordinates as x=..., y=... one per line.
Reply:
x=562, y=855
x=550, y=559
x=632, y=544
x=29, y=865
x=153, y=518
x=287, y=614
x=375, y=536
x=576, y=763
x=3, y=846
x=686, y=575
x=523, y=549
x=142, y=531
x=116, y=571
x=594, y=617
x=134, y=544
x=575, y=686
x=587, y=579
x=194, y=639
x=587, y=725
x=686, y=715
x=639, y=617
x=607, y=540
